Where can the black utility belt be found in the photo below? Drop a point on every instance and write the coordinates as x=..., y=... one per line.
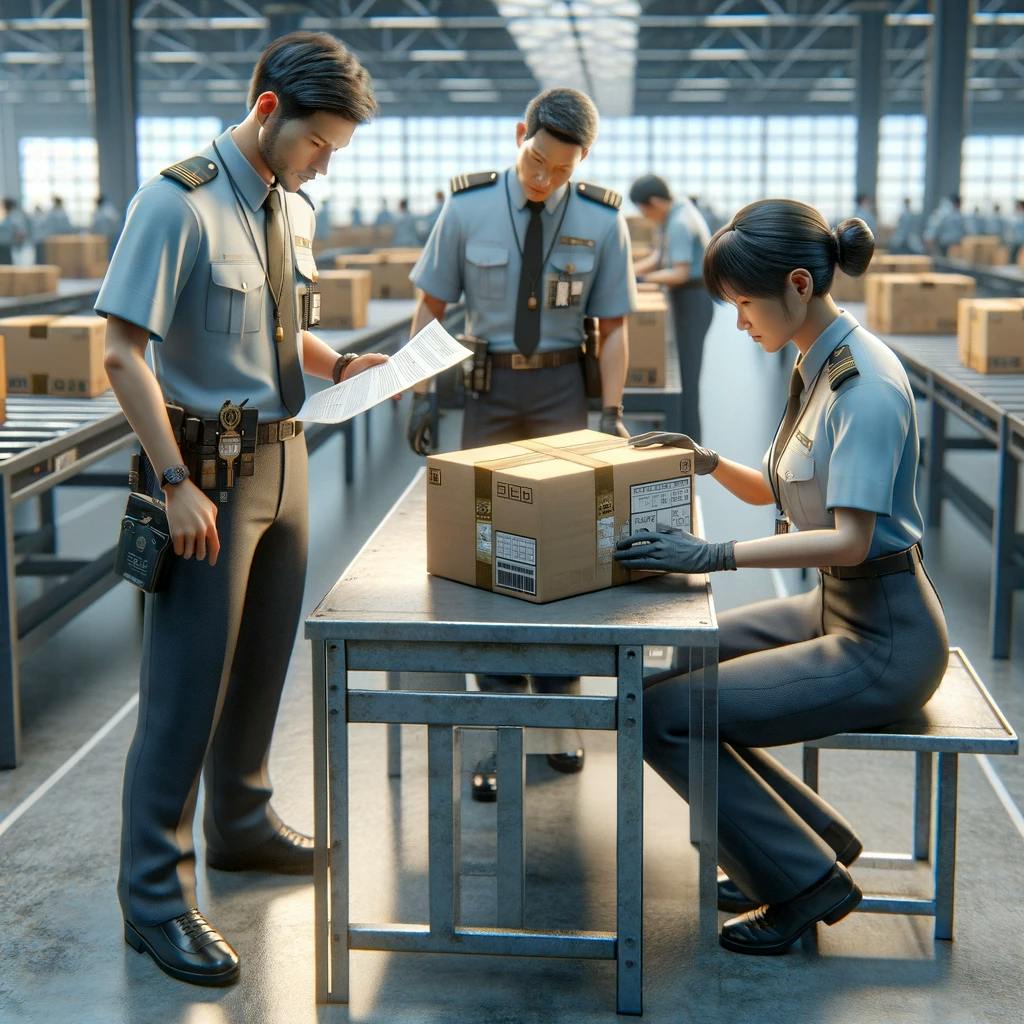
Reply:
x=218, y=451
x=885, y=565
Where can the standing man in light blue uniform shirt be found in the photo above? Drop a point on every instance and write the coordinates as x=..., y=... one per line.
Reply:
x=215, y=265
x=677, y=264
x=868, y=646
x=533, y=253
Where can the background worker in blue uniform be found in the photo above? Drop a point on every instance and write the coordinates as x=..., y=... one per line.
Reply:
x=533, y=253
x=677, y=263
x=215, y=264
x=864, y=648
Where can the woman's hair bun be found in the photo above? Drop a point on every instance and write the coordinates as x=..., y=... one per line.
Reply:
x=856, y=246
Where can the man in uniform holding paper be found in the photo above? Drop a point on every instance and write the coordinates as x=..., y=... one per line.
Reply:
x=215, y=264
x=533, y=253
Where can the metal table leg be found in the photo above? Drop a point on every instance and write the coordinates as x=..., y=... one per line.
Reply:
x=629, y=861
x=10, y=683
x=1004, y=540
x=511, y=834
x=935, y=460
x=945, y=846
x=708, y=785
x=337, y=824
x=923, y=771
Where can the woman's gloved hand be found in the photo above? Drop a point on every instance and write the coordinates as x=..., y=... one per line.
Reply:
x=705, y=460
x=674, y=552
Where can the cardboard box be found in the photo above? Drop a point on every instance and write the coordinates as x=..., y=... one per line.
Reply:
x=916, y=303
x=390, y=269
x=538, y=520
x=38, y=280
x=990, y=335
x=365, y=236
x=648, y=340
x=641, y=230
x=82, y=256
x=854, y=289
x=344, y=298
x=982, y=250
x=55, y=355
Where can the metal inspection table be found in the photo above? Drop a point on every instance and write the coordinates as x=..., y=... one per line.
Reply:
x=992, y=406
x=47, y=442
x=386, y=614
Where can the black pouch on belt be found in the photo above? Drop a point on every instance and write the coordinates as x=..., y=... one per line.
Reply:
x=591, y=365
x=144, y=550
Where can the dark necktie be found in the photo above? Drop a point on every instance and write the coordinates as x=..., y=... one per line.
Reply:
x=796, y=390
x=527, y=332
x=282, y=286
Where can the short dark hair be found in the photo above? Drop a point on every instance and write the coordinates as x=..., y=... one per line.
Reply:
x=310, y=72
x=567, y=114
x=648, y=187
x=766, y=241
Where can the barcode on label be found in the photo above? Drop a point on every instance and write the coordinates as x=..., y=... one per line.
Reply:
x=516, y=576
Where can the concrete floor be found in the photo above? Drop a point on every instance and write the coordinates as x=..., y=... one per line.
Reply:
x=62, y=958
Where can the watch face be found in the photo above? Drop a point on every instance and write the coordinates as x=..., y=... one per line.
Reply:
x=175, y=474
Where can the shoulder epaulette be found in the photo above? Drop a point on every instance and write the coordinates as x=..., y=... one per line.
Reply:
x=312, y=205
x=841, y=367
x=599, y=194
x=465, y=182
x=193, y=172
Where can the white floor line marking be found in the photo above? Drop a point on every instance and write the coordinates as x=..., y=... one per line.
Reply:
x=36, y=795
x=997, y=784
x=1002, y=793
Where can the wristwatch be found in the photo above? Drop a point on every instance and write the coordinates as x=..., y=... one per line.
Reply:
x=175, y=475
x=342, y=364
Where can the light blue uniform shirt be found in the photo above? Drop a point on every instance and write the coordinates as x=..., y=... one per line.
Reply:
x=472, y=250
x=186, y=270
x=856, y=447
x=683, y=239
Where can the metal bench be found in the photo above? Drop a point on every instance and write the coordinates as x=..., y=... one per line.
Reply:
x=960, y=718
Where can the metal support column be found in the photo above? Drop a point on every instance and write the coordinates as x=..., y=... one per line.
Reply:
x=952, y=35
x=870, y=51
x=114, y=107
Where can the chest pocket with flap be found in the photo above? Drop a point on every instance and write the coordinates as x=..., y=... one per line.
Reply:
x=801, y=493
x=486, y=271
x=234, y=299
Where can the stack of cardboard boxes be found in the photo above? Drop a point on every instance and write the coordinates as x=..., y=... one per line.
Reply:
x=390, y=269
x=344, y=298
x=648, y=338
x=18, y=281
x=981, y=251
x=363, y=236
x=539, y=520
x=55, y=355
x=82, y=256
x=854, y=289
x=916, y=303
x=990, y=335
x=641, y=232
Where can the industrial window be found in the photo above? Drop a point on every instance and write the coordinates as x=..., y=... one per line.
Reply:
x=993, y=173
x=67, y=167
x=165, y=140
x=901, y=147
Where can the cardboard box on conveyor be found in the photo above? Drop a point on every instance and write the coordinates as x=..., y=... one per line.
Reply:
x=916, y=303
x=648, y=340
x=83, y=256
x=854, y=289
x=990, y=335
x=981, y=250
x=55, y=355
x=38, y=280
x=344, y=298
x=538, y=520
x=390, y=269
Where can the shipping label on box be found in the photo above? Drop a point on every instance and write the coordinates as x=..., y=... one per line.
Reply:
x=539, y=519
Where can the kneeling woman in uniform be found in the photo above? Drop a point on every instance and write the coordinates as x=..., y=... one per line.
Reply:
x=868, y=645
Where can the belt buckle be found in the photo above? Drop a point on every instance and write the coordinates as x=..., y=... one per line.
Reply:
x=285, y=429
x=520, y=361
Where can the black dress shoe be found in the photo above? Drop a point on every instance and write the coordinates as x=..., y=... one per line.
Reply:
x=773, y=928
x=569, y=762
x=187, y=947
x=485, y=780
x=733, y=900
x=287, y=852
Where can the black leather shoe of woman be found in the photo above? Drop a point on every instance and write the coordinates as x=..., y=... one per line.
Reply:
x=186, y=947
x=773, y=928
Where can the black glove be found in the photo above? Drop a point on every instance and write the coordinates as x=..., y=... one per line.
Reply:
x=704, y=459
x=674, y=552
x=611, y=421
x=420, y=431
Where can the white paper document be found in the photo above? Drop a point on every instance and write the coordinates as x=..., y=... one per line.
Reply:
x=431, y=351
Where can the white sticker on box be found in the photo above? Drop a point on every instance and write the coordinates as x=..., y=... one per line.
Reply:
x=515, y=563
x=483, y=541
x=605, y=538
x=660, y=503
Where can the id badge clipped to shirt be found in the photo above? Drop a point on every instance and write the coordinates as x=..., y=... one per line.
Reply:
x=781, y=522
x=563, y=291
x=311, y=306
